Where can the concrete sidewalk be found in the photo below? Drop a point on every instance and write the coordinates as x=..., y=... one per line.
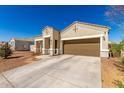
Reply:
x=64, y=71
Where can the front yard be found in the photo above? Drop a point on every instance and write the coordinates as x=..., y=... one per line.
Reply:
x=18, y=58
x=110, y=73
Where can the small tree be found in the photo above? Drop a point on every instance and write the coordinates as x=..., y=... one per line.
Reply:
x=5, y=50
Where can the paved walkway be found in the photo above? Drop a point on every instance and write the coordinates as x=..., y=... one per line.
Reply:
x=64, y=71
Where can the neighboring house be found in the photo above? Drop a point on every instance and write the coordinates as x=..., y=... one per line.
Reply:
x=21, y=44
x=79, y=38
x=2, y=43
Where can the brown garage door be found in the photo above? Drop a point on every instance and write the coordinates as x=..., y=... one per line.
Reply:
x=86, y=47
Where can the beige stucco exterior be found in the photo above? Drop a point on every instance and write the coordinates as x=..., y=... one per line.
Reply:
x=48, y=41
x=75, y=31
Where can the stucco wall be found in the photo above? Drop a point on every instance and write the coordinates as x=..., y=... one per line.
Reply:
x=105, y=40
x=81, y=30
x=56, y=36
x=47, y=33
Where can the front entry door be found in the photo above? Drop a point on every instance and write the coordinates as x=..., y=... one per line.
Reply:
x=55, y=46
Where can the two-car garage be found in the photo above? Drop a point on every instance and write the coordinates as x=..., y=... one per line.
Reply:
x=86, y=47
x=85, y=39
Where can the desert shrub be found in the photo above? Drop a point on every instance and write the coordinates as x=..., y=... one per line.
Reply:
x=122, y=61
x=118, y=83
x=5, y=51
x=117, y=48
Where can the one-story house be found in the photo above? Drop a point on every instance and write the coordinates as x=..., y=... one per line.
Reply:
x=21, y=44
x=79, y=38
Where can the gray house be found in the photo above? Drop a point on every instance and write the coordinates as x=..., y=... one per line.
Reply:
x=21, y=44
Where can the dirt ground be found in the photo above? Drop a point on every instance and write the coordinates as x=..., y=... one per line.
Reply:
x=18, y=58
x=110, y=72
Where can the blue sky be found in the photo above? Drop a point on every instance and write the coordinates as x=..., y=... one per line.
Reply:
x=28, y=21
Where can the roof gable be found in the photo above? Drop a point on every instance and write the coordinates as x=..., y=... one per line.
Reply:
x=93, y=26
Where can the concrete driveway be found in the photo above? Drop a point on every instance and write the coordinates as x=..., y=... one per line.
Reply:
x=64, y=71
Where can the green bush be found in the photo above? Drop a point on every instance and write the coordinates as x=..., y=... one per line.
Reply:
x=5, y=51
x=118, y=83
x=116, y=49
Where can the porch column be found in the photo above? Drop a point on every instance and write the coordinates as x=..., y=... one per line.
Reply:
x=51, y=49
x=43, y=49
x=61, y=47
